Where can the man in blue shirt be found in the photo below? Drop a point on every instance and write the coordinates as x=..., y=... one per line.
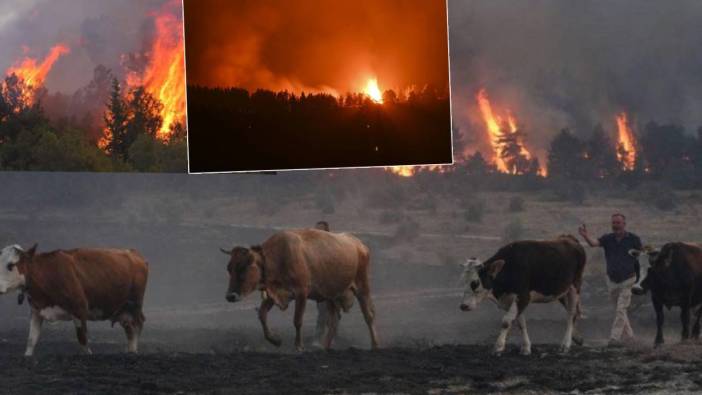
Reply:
x=622, y=271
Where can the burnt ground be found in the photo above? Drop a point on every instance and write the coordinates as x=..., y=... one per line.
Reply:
x=440, y=369
x=219, y=349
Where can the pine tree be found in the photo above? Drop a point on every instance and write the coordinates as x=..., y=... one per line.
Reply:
x=116, y=118
x=566, y=156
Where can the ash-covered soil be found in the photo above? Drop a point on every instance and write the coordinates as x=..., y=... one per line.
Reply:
x=220, y=349
x=433, y=370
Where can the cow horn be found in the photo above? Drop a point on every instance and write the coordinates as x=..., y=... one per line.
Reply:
x=226, y=252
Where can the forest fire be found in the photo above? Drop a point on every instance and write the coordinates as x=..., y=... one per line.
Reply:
x=626, y=147
x=410, y=171
x=373, y=91
x=33, y=74
x=164, y=76
x=504, y=136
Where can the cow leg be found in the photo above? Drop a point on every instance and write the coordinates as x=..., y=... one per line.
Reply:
x=322, y=324
x=263, y=310
x=685, y=320
x=526, y=342
x=509, y=317
x=34, y=331
x=577, y=337
x=658, y=307
x=300, y=303
x=572, y=309
x=333, y=323
x=82, y=334
x=696, y=327
x=132, y=336
x=368, y=310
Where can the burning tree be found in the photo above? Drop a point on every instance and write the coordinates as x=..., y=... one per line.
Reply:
x=513, y=154
x=626, y=147
x=507, y=141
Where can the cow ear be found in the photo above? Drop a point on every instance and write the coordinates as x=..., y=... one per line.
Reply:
x=496, y=268
x=32, y=250
x=225, y=252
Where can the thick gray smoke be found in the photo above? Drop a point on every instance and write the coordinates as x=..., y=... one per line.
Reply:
x=559, y=64
x=97, y=32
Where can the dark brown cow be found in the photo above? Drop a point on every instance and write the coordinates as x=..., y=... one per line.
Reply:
x=303, y=264
x=524, y=272
x=78, y=285
x=674, y=277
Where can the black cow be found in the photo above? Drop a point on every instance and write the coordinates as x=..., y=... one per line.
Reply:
x=674, y=277
x=524, y=272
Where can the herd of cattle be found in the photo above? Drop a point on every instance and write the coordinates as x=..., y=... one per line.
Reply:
x=332, y=269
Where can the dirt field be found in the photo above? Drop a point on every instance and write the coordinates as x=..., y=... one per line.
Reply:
x=218, y=348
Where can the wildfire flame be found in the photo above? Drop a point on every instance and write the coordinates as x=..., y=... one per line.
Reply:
x=410, y=171
x=495, y=126
x=626, y=150
x=373, y=91
x=164, y=76
x=33, y=74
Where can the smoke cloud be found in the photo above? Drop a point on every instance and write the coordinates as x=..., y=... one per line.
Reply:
x=97, y=31
x=316, y=44
x=558, y=64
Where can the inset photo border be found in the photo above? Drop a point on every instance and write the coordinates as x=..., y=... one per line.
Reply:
x=314, y=84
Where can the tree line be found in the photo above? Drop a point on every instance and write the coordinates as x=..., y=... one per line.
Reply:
x=663, y=152
x=234, y=129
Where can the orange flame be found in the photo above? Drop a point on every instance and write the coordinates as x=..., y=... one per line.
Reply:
x=626, y=150
x=495, y=126
x=164, y=76
x=410, y=171
x=373, y=91
x=33, y=74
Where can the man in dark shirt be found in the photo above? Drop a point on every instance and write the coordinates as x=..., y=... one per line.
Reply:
x=622, y=271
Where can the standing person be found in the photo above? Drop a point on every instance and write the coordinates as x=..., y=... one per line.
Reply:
x=622, y=272
x=322, y=313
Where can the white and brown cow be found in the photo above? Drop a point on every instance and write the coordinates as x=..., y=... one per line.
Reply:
x=78, y=285
x=524, y=272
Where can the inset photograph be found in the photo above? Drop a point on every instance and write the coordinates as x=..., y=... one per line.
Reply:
x=309, y=84
x=92, y=85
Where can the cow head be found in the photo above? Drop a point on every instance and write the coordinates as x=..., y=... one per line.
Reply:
x=477, y=280
x=245, y=269
x=647, y=268
x=10, y=277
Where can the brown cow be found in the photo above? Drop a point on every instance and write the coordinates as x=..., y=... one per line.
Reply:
x=303, y=264
x=79, y=285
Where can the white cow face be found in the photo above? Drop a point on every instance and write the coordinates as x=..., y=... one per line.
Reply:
x=473, y=292
x=652, y=255
x=10, y=277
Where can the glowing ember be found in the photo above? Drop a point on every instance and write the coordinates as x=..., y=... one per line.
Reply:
x=33, y=74
x=164, y=76
x=373, y=91
x=499, y=128
x=410, y=171
x=626, y=149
